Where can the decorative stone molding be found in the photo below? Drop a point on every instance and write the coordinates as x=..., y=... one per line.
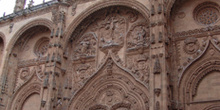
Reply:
x=197, y=32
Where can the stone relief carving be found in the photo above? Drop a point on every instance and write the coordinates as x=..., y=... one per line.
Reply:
x=58, y=17
x=82, y=72
x=191, y=45
x=105, y=93
x=41, y=47
x=112, y=31
x=86, y=47
x=25, y=73
x=33, y=88
x=138, y=64
x=138, y=36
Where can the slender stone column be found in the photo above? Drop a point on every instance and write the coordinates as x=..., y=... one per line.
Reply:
x=52, y=87
x=159, y=44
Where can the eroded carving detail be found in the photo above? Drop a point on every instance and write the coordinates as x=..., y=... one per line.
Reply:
x=139, y=66
x=24, y=73
x=112, y=31
x=191, y=45
x=138, y=36
x=86, y=47
x=82, y=73
x=41, y=47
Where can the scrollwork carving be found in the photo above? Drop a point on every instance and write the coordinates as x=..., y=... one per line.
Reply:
x=81, y=74
x=139, y=66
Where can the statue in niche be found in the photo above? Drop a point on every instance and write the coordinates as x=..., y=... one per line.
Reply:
x=112, y=31
x=86, y=47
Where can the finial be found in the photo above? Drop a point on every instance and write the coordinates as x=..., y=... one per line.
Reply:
x=31, y=3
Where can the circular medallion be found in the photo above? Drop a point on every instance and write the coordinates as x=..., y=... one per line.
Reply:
x=191, y=45
x=207, y=13
x=41, y=46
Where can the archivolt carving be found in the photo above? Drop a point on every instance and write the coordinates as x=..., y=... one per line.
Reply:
x=112, y=90
x=23, y=94
x=197, y=71
x=199, y=74
x=213, y=107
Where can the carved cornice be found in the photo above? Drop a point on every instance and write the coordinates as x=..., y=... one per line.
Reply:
x=206, y=31
x=28, y=13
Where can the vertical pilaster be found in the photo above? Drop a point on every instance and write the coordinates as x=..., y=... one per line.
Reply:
x=52, y=87
x=159, y=82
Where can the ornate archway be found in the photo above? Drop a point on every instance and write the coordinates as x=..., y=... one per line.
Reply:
x=199, y=77
x=111, y=88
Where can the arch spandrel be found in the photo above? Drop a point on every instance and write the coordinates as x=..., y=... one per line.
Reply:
x=111, y=87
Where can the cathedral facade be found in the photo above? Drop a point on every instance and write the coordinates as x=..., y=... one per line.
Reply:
x=111, y=55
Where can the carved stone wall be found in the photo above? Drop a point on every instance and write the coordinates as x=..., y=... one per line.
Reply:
x=111, y=55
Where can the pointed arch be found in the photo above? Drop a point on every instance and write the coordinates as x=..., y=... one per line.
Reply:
x=19, y=98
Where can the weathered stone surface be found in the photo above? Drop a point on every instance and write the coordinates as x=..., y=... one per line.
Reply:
x=111, y=55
